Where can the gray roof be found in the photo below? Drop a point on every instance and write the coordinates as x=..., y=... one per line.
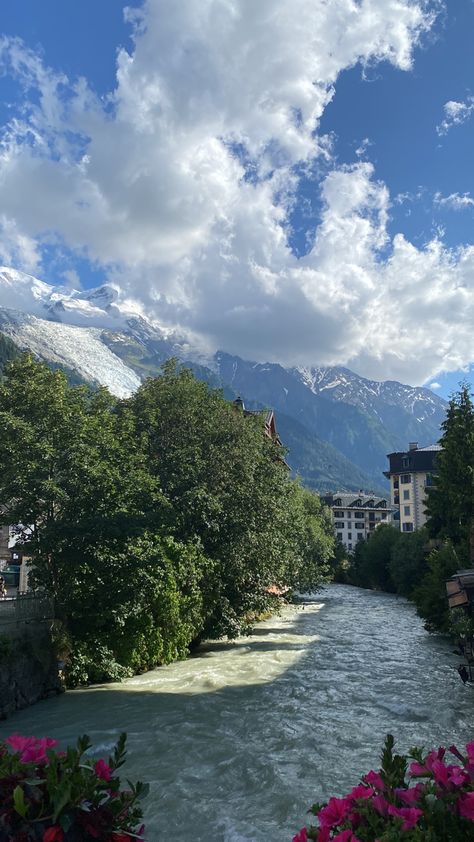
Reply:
x=356, y=501
x=430, y=447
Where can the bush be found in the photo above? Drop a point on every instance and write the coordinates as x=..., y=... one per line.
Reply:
x=55, y=796
x=435, y=804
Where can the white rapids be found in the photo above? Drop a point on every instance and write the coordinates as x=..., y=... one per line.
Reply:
x=238, y=741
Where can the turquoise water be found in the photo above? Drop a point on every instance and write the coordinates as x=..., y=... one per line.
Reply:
x=238, y=741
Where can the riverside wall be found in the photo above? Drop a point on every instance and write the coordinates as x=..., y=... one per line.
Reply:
x=28, y=663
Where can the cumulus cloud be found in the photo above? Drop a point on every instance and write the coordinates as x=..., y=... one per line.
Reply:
x=455, y=113
x=180, y=185
x=434, y=386
x=455, y=201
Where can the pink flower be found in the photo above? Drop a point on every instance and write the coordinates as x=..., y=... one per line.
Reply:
x=302, y=836
x=374, y=779
x=345, y=836
x=53, y=834
x=30, y=749
x=466, y=805
x=103, y=770
x=470, y=752
x=410, y=815
x=425, y=768
x=324, y=834
x=334, y=812
x=410, y=796
x=361, y=791
x=380, y=804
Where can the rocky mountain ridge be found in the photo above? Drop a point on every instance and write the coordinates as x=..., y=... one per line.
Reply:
x=339, y=426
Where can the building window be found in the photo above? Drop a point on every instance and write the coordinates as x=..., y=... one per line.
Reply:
x=338, y=514
x=384, y=516
x=359, y=526
x=406, y=510
x=359, y=514
x=348, y=515
x=349, y=546
x=396, y=500
x=395, y=483
x=405, y=478
x=371, y=515
x=339, y=524
x=360, y=537
x=407, y=527
x=406, y=462
x=429, y=481
x=406, y=494
x=349, y=536
x=339, y=536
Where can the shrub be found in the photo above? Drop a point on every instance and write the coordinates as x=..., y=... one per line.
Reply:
x=435, y=804
x=55, y=796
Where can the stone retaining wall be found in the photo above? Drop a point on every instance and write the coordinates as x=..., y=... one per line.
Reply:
x=28, y=665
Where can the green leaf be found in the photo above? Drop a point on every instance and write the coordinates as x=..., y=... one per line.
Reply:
x=61, y=798
x=19, y=802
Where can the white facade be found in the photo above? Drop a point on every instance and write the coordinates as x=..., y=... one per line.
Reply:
x=357, y=516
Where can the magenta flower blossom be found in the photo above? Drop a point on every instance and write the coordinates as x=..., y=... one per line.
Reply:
x=345, y=836
x=380, y=804
x=410, y=815
x=361, y=791
x=465, y=805
x=30, y=749
x=335, y=812
x=411, y=795
x=374, y=779
x=103, y=770
x=302, y=836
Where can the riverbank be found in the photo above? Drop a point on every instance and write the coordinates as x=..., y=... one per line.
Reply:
x=251, y=732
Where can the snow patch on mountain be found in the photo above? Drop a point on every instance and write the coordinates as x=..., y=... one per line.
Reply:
x=340, y=384
x=78, y=348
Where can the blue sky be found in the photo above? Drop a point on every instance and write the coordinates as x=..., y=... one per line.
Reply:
x=381, y=136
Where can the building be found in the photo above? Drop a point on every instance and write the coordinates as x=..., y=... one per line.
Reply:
x=411, y=474
x=268, y=417
x=357, y=515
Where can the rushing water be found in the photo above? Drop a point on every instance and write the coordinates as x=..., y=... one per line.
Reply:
x=239, y=740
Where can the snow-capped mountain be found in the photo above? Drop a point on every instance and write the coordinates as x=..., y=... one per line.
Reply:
x=341, y=425
x=79, y=349
x=377, y=398
x=99, y=307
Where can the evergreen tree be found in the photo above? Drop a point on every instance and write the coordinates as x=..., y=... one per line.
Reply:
x=450, y=504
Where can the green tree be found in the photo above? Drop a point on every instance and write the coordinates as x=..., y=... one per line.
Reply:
x=408, y=561
x=430, y=596
x=450, y=505
x=228, y=486
x=371, y=563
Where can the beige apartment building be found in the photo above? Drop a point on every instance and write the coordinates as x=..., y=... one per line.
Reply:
x=411, y=475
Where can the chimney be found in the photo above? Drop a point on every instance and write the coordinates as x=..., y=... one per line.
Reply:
x=413, y=445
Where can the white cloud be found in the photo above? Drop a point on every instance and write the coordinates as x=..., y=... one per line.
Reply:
x=455, y=201
x=455, y=113
x=181, y=183
x=434, y=385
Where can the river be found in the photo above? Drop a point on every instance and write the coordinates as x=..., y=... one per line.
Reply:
x=238, y=741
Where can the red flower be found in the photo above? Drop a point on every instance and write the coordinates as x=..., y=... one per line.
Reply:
x=103, y=770
x=53, y=834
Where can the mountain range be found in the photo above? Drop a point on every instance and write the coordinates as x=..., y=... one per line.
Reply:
x=337, y=425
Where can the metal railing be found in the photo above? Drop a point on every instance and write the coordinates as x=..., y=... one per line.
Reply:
x=26, y=608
